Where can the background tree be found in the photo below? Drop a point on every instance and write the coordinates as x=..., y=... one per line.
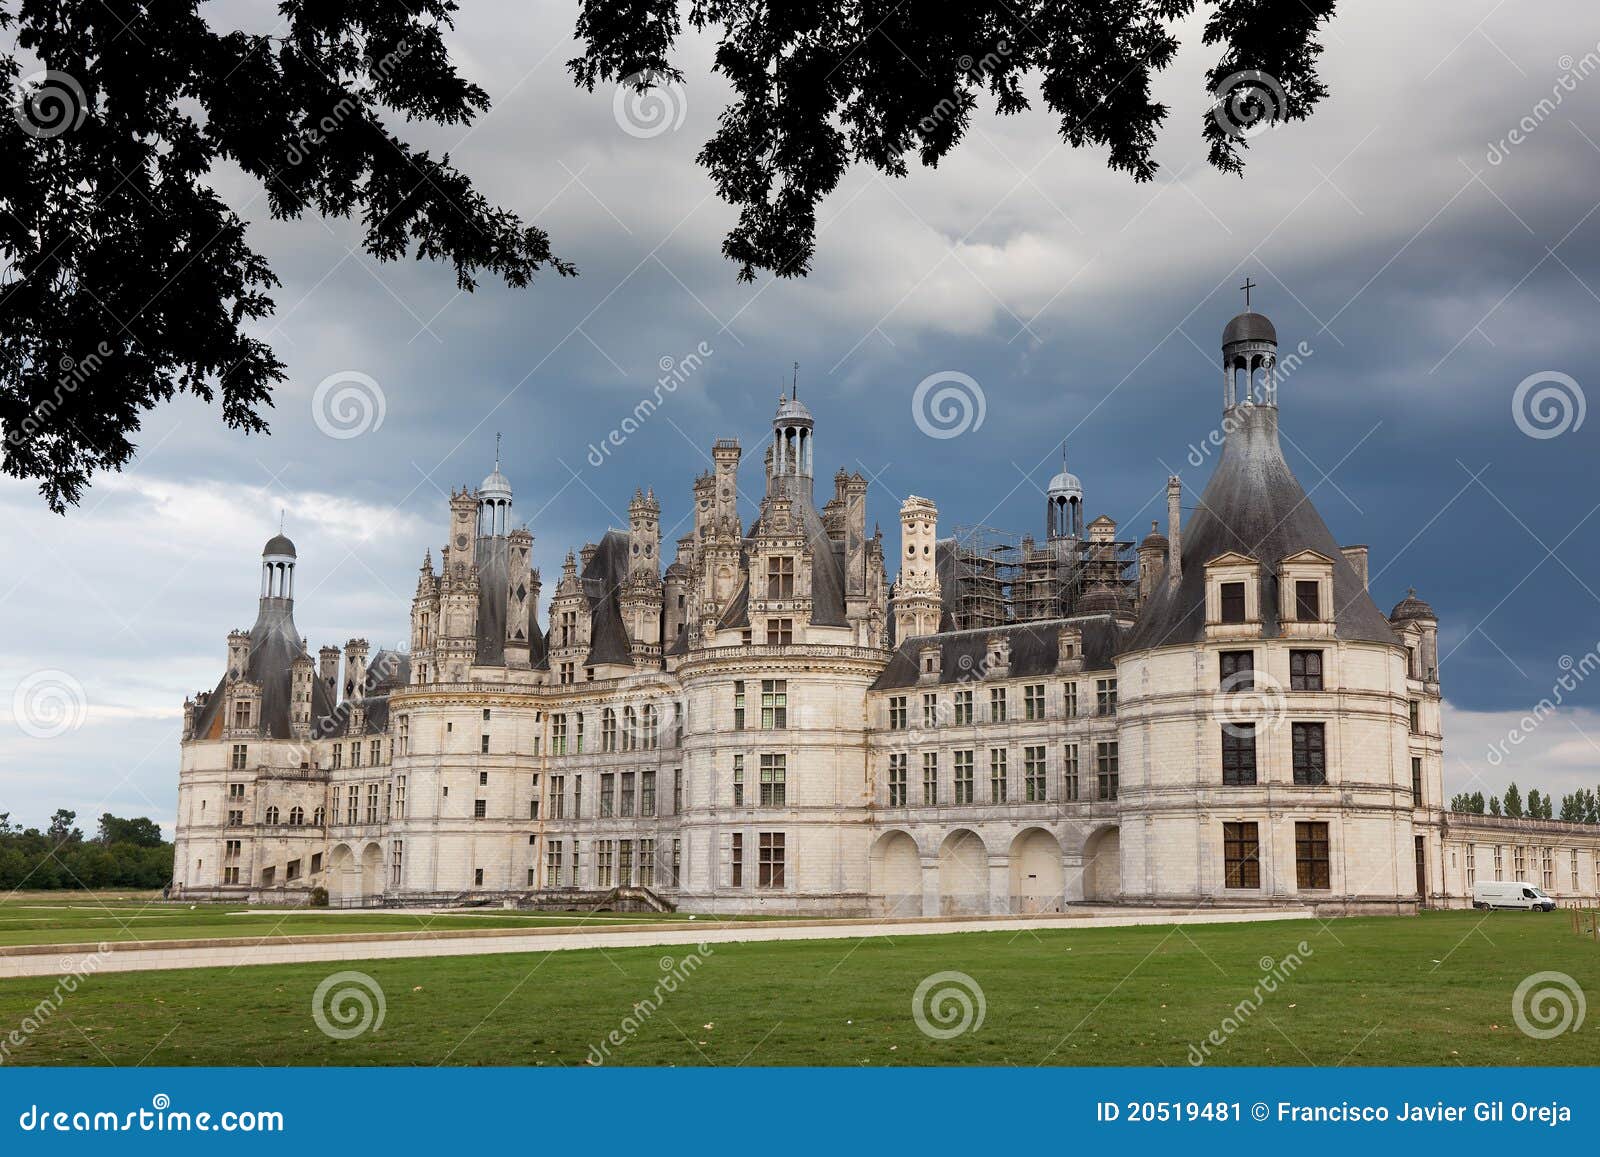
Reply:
x=126, y=279
x=1535, y=804
x=1494, y=805
x=1513, y=801
x=141, y=832
x=61, y=829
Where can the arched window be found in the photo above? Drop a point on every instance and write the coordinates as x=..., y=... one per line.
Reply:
x=272, y=815
x=319, y=817
x=297, y=816
x=630, y=729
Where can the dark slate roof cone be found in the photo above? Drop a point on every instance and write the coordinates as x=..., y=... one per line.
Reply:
x=1254, y=505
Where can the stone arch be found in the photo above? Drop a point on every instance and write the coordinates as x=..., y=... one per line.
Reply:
x=371, y=872
x=895, y=875
x=1102, y=866
x=963, y=874
x=344, y=876
x=1038, y=880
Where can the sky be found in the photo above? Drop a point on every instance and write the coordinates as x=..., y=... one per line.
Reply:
x=1427, y=244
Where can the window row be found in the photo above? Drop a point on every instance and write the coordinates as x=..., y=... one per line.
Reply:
x=959, y=709
x=1241, y=855
x=624, y=793
x=1098, y=782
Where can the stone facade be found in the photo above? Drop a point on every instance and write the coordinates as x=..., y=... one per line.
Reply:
x=1220, y=715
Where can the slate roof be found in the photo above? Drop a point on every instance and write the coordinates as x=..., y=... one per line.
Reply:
x=1254, y=505
x=602, y=582
x=1035, y=650
x=274, y=646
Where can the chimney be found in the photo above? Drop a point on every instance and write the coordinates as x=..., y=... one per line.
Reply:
x=238, y=653
x=1356, y=556
x=329, y=671
x=355, y=669
x=1174, y=540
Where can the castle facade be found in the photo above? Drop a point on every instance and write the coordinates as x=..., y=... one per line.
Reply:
x=1218, y=714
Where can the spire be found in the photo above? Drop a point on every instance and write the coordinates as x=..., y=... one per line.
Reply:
x=1247, y=287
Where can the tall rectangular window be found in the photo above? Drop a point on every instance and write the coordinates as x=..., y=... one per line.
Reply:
x=1033, y=782
x=1105, y=693
x=997, y=775
x=736, y=861
x=771, y=866
x=603, y=863
x=963, y=777
x=1033, y=701
x=608, y=729
x=1105, y=757
x=997, y=704
x=1237, y=670
x=1069, y=700
x=897, y=713
x=1311, y=855
x=780, y=577
x=774, y=704
x=1472, y=865
x=677, y=791
x=1232, y=602
x=964, y=707
x=558, y=797
x=780, y=632
x=241, y=756
x=627, y=794
x=558, y=734
x=1416, y=780
x=625, y=863
x=930, y=711
x=372, y=803
x=738, y=781
x=608, y=793
x=738, y=704
x=930, y=778
x=647, y=863
x=647, y=793
x=897, y=780
x=1309, y=742
x=1069, y=772
x=1307, y=600
x=397, y=852
x=1414, y=716
x=1241, y=856
x=1239, y=754
x=774, y=770
x=1305, y=670
x=575, y=872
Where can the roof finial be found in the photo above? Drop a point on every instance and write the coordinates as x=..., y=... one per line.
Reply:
x=1063, y=453
x=1247, y=287
x=280, y=519
x=497, y=450
x=795, y=386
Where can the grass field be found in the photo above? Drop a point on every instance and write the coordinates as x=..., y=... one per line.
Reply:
x=1434, y=990
x=77, y=918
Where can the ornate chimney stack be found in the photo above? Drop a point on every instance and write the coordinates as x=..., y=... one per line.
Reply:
x=1174, y=531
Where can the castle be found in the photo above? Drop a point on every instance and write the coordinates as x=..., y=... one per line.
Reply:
x=1220, y=714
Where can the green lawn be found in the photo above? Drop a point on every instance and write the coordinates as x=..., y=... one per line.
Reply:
x=1432, y=990
x=70, y=918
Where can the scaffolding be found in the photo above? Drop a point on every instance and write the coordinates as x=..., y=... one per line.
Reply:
x=1001, y=578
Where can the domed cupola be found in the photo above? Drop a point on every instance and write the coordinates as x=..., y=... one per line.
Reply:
x=494, y=500
x=277, y=568
x=791, y=453
x=1411, y=608
x=1064, y=503
x=1249, y=358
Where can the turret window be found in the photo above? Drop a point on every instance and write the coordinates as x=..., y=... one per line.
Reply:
x=930, y=778
x=1310, y=754
x=241, y=758
x=897, y=781
x=780, y=632
x=780, y=577
x=1307, y=600
x=1237, y=670
x=774, y=704
x=1305, y=670
x=1241, y=856
x=1232, y=602
x=241, y=714
x=774, y=772
x=1239, y=754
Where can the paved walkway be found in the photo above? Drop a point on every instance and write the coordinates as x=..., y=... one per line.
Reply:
x=60, y=960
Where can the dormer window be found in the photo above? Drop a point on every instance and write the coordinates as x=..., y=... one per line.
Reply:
x=780, y=577
x=1233, y=603
x=1307, y=600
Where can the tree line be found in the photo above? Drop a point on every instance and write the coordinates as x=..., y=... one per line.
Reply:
x=1578, y=807
x=123, y=853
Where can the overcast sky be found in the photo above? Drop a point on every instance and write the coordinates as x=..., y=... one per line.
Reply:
x=1428, y=264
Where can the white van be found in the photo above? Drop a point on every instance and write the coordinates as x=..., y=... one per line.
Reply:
x=1510, y=894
